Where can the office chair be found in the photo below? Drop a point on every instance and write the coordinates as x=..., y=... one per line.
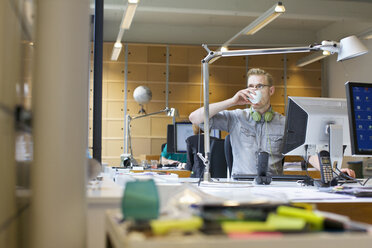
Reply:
x=195, y=144
x=228, y=153
x=218, y=168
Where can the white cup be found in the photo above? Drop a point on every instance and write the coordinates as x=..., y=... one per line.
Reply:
x=255, y=98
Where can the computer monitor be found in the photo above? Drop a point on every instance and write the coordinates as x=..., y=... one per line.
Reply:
x=308, y=121
x=359, y=100
x=178, y=133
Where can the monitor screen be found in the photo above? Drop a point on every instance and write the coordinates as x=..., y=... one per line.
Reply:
x=183, y=130
x=359, y=99
x=307, y=119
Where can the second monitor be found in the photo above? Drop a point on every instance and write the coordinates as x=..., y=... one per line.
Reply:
x=178, y=133
x=308, y=124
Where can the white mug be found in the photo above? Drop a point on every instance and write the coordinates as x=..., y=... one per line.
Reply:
x=255, y=98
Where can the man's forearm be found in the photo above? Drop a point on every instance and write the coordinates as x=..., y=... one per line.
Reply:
x=197, y=116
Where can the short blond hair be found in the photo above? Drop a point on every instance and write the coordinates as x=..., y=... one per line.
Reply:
x=196, y=129
x=258, y=71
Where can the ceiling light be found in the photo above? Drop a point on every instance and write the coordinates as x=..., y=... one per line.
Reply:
x=120, y=35
x=116, y=51
x=326, y=53
x=129, y=14
x=224, y=49
x=366, y=35
x=264, y=19
x=259, y=23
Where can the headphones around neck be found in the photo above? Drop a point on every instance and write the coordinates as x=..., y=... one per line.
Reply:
x=268, y=115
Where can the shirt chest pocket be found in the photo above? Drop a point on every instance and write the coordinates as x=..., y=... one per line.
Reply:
x=248, y=136
x=274, y=144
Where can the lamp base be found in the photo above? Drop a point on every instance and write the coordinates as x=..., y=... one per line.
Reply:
x=126, y=160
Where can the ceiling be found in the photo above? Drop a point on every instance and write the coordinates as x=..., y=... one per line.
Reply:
x=213, y=22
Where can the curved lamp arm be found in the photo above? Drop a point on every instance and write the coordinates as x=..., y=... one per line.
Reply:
x=172, y=112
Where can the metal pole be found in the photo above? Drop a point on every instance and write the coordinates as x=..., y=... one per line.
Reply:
x=285, y=81
x=167, y=79
x=207, y=175
x=125, y=98
x=97, y=81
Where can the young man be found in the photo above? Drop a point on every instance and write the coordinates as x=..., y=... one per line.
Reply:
x=253, y=129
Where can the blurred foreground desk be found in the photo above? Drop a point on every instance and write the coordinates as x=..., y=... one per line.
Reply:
x=116, y=237
x=107, y=195
x=357, y=209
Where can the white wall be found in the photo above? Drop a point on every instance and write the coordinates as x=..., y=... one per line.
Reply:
x=357, y=70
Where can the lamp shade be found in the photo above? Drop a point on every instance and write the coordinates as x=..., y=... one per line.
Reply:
x=350, y=47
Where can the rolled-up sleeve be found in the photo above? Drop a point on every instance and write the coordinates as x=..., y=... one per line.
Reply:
x=222, y=121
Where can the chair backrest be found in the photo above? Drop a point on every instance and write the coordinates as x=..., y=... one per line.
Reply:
x=218, y=163
x=228, y=153
x=162, y=147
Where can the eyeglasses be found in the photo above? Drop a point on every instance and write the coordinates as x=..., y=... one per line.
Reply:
x=258, y=86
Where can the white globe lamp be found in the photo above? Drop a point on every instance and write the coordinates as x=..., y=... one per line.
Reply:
x=142, y=95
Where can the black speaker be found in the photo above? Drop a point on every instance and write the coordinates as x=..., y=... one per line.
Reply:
x=262, y=166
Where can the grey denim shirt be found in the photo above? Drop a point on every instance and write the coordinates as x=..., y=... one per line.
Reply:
x=249, y=137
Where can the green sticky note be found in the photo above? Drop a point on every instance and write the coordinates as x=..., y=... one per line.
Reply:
x=140, y=200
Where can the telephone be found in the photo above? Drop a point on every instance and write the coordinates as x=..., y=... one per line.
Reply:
x=326, y=171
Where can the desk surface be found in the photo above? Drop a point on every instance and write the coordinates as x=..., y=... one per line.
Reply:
x=108, y=191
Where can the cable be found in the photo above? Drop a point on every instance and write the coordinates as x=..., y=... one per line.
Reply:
x=342, y=174
x=5, y=225
x=21, y=19
x=201, y=175
x=271, y=154
x=353, y=179
x=6, y=109
x=365, y=182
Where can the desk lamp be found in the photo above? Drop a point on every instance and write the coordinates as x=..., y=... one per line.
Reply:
x=171, y=112
x=347, y=48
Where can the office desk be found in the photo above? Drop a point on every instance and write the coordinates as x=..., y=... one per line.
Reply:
x=180, y=173
x=311, y=173
x=187, y=173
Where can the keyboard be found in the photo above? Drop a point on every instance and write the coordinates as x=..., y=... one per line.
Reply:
x=274, y=178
